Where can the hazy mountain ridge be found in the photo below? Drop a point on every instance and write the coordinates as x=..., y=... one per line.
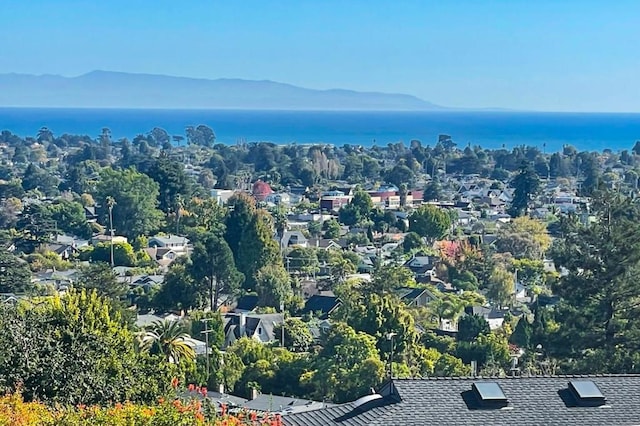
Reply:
x=106, y=89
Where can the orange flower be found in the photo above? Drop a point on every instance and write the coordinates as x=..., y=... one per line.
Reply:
x=175, y=382
x=191, y=387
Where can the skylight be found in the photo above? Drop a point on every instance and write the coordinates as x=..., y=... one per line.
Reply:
x=489, y=392
x=586, y=389
x=586, y=393
x=485, y=396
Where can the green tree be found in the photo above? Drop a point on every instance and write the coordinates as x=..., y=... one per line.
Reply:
x=302, y=260
x=273, y=285
x=214, y=327
x=430, y=221
x=249, y=234
x=136, y=199
x=332, y=229
x=347, y=366
x=15, y=276
x=123, y=254
x=70, y=217
x=471, y=326
x=75, y=350
x=169, y=340
x=524, y=237
x=297, y=337
x=213, y=265
x=526, y=185
x=432, y=191
x=521, y=335
x=100, y=277
x=412, y=241
x=179, y=290
x=172, y=181
x=599, y=313
x=501, y=286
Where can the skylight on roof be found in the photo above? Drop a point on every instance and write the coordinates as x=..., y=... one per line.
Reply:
x=489, y=392
x=586, y=389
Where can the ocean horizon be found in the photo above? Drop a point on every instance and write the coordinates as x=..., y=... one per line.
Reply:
x=549, y=131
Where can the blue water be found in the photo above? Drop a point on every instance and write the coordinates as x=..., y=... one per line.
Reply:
x=548, y=131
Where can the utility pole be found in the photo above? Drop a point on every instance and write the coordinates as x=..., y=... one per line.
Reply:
x=282, y=328
x=110, y=203
x=390, y=337
x=206, y=332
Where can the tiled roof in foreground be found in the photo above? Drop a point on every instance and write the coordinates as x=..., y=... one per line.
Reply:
x=532, y=401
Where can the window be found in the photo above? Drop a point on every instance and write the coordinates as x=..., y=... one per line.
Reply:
x=586, y=393
x=485, y=396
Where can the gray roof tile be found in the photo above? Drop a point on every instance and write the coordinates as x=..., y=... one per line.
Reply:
x=532, y=401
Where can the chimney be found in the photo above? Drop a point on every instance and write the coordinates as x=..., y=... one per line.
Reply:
x=254, y=393
x=243, y=324
x=221, y=388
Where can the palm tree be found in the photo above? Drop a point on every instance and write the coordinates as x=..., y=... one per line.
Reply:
x=447, y=308
x=168, y=339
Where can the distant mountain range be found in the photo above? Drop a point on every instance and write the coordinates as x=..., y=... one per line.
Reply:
x=106, y=89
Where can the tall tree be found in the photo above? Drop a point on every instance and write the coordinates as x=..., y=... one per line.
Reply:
x=599, y=315
x=250, y=236
x=273, y=285
x=524, y=237
x=526, y=185
x=172, y=182
x=214, y=266
x=100, y=277
x=15, y=276
x=136, y=195
x=430, y=221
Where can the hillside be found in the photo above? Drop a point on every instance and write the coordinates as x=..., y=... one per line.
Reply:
x=105, y=89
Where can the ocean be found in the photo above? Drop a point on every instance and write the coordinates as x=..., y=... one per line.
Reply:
x=547, y=131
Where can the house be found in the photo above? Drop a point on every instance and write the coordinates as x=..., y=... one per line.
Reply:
x=513, y=401
x=334, y=200
x=283, y=405
x=321, y=306
x=222, y=195
x=199, y=347
x=146, y=282
x=415, y=297
x=90, y=214
x=423, y=267
x=279, y=198
x=145, y=320
x=176, y=243
x=70, y=240
x=164, y=257
x=324, y=244
x=254, y=326
x=495, y=317
x=104, y=238
x=246, y=303
x=293, y=238
x=65, y=251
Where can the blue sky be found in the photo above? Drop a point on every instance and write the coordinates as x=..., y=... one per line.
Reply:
x=552, y=55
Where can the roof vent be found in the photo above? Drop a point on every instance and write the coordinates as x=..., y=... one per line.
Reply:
x=366, y=399
x=587, y=393
x=489, y=395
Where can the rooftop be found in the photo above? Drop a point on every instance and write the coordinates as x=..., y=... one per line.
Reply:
x=526, y=401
